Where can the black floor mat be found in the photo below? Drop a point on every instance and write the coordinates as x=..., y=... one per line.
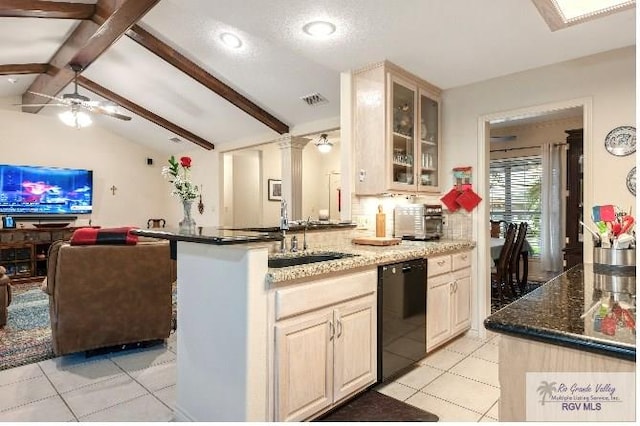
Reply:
x=372, y=406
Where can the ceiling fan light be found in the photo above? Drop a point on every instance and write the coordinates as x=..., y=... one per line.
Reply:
x=323, y=144
x=74, y=118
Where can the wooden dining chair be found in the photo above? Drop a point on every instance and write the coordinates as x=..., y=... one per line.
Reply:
x=496, y=228
x=514, y=261
x=500, y=277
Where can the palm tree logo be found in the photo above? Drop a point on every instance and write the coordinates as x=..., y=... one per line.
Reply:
x=545, y=389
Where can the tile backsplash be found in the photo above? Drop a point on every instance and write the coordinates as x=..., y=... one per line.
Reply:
x=458, y=225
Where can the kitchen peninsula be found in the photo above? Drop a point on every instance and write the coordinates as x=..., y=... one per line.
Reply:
x=232, y=308
x=581, y=321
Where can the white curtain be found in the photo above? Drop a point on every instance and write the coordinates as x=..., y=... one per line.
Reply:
x=550, y=229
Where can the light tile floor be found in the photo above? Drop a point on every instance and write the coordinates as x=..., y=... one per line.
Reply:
x=458, y=383
x=137, y=385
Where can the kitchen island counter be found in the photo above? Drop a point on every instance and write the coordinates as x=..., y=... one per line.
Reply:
x=580, y=326
x=555, y=312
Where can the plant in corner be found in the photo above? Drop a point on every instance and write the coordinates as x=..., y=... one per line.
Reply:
x=178, y=174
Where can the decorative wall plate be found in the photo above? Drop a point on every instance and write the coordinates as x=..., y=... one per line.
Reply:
x=621, y=141
x=631, y=181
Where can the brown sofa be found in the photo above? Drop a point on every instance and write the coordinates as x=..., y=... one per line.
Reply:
x=107, y=295
x=5, y=295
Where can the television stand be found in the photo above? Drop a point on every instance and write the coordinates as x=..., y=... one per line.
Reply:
x=24, y=251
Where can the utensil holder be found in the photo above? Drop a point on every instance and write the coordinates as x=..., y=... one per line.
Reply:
x=614, y=257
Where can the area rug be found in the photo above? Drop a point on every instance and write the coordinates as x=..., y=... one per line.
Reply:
x=27, y=336
x=372, y=406
x=497, y=304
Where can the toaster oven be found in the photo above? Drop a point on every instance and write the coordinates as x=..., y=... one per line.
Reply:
x=417, y=222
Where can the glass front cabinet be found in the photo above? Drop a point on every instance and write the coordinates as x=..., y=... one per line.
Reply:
x=397, y=135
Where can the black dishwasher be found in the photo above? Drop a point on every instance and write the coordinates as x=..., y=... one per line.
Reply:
x=402, y=316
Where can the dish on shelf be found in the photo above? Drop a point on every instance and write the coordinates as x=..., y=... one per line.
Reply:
x=53, y=225
x=631, y=181
x=621, y=141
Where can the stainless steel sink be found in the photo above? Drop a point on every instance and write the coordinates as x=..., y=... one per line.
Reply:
x=303, y=259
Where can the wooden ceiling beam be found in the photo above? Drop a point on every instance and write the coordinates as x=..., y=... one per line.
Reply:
x=46, y=9
x=87, y=42
x=184, y=64
x=142, y=112
x=16, y=69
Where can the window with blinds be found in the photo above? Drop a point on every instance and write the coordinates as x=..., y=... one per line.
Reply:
x=514, y=193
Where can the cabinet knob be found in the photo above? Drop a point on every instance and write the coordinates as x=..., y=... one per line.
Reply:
x=339, y=329
x=464, y=257
x=331, y=330
x=440, y=262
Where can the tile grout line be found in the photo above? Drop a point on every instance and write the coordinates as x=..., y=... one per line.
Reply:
x=64, y=401
x=145, y=388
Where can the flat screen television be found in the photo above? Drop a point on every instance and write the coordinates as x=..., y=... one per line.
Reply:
x=35, y=190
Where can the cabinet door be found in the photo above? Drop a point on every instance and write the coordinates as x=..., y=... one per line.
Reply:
x=304, y=365
x=461, y=301
x=402, y=143
x=428, y=142
x=354, y=347
x=439, y=292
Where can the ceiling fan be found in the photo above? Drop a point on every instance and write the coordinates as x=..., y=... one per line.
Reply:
x=79, y=105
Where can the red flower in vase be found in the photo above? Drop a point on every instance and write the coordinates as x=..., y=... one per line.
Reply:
x=185, y=162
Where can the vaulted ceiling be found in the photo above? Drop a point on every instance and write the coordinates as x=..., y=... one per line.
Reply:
x=163, y=63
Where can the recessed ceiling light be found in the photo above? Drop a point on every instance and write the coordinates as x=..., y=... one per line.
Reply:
x=175, y=139
x=231, y=40
x=319, y=29
x=12, y=80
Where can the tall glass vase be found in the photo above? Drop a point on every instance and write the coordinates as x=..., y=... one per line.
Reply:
x=187, y=225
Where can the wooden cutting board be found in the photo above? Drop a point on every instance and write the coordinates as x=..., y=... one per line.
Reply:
x=376, y=241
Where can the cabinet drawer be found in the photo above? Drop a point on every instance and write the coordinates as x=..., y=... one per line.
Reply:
x=461, y=260
x=438, y=265
x=324, y=292
x=437, y=281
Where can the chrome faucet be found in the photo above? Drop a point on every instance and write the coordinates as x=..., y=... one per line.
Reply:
x=304, y=241
x=284, y=225
x=294, y=244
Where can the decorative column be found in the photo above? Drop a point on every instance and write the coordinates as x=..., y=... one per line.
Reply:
x=291, y=148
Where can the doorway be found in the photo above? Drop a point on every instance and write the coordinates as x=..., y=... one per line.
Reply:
x=485, y=124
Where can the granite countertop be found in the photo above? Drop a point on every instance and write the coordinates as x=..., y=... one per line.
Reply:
x=364, y=256
x=209, y=235
x=319, y=225
x=589, y=307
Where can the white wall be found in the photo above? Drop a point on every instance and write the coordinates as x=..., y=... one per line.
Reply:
x=316, y=167
x=28, y=139
x=606, y=79
x=247, y=207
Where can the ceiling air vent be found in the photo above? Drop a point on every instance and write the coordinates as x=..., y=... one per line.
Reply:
x=314, y=99
x=175, y=140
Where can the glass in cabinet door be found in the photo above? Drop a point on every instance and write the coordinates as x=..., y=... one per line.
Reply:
x=428, y=137
x=403, y=144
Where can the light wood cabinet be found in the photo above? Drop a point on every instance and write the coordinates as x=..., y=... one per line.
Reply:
x=397, y=131
x=325, y=350
x=304, y=359
x=354, y=347
x=448, y=298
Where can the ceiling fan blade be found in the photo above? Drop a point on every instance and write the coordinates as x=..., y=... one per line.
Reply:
x=103, y=111
x=46, y=96
x=40, y=105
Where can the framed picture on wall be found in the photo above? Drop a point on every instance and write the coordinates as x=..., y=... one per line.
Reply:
x=274, y=189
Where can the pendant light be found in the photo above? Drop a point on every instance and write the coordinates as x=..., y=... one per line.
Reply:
x=323, y=144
